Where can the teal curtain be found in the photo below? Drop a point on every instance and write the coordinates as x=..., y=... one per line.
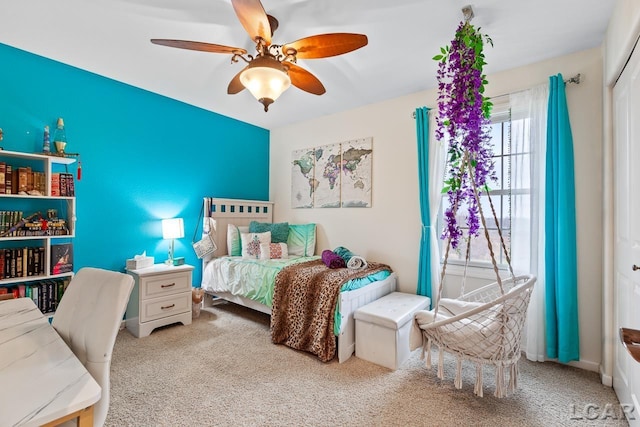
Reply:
x=561, y=276
x=424, y=262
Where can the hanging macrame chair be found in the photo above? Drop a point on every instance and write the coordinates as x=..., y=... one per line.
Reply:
x=484, y=326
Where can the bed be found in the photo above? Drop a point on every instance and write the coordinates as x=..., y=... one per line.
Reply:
x=220, y=282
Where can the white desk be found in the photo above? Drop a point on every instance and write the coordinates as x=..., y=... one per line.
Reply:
x=41, y=380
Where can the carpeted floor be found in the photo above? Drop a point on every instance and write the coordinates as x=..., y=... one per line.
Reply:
x=223, y=370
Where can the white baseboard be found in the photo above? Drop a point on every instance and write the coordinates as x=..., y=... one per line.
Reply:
x=587, y=365
x=607, y=380
x=122, y=324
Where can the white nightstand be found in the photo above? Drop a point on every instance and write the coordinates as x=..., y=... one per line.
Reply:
x=161, y=296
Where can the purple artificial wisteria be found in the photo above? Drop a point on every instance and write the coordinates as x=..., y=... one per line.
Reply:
x=463, y=117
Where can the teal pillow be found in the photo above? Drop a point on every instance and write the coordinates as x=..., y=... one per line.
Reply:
x=279, y=231
x=302, y=239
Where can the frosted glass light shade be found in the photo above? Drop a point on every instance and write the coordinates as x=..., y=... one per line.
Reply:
x=172, y=228
x=266, y=79
x=265, y=82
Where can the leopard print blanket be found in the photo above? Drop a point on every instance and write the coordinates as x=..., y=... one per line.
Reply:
x=304, y=302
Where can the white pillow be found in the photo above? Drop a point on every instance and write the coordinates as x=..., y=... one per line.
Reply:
x=421, y=318
x=453, y=307
x=234, y=245
x=476, y=334
x=252, y=245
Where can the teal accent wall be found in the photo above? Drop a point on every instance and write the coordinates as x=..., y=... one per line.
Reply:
x=144, y=156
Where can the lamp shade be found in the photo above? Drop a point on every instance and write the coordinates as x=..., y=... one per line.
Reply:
x=266, y=79
x=172, y=228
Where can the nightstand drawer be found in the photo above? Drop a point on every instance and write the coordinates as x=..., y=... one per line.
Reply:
x=158, y=308
x=165, y=284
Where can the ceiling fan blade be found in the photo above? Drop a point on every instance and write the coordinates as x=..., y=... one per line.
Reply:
x=236, y=86
x=302, y=79
x=200, y=46
x=325, y=45
x=253, y=18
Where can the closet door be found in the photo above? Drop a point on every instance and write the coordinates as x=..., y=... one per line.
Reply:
x=626, y=106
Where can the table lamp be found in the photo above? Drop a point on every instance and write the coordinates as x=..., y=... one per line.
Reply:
x=173, y=229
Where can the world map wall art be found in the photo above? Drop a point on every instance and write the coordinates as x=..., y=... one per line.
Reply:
x=332, y=176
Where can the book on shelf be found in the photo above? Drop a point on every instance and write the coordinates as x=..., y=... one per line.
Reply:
x=55, y=184
x=7, y=220
x=34, y=293
x=8, y=180
x=31, y=271
x=21, y=262
x=9, y=260
x=38, y=265
x=61, y=258
x=71, y=187
x=20, y=180
x=3, y=171
x=46, y=293
x=41, y=183
x=43, y=297
x=62, y=184
x=13, y=289
x=18, y=262
x=12, y=263
x=30, y=180
x=6, y=262
x=14, y=218
x=10, y=227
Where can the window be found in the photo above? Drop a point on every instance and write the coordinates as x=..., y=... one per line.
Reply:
x=510, y=194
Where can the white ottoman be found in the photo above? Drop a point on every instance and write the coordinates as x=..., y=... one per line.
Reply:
x=383, y=327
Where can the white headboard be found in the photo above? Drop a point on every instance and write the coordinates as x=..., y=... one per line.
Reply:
x=233, y=211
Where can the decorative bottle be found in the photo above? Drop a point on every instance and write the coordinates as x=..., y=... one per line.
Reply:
x=59, y=137
x=46, y=145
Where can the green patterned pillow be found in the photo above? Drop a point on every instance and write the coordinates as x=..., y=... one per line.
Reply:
x=279, y=231
x=302, y=239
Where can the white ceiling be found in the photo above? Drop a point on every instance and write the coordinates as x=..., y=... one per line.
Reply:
x=111, y=38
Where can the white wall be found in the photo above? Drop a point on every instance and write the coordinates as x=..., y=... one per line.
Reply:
x=389, y=231
x=622, y=33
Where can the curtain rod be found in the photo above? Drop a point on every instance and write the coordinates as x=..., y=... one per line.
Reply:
x=575, y=79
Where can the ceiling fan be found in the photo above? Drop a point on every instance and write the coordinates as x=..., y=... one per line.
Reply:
x=273, y=68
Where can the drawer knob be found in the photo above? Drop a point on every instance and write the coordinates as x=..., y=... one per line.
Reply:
x=167, y=306
x=168, y=286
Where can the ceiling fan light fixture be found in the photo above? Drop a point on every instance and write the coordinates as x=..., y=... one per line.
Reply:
x=274, y=67
x=266, y=79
